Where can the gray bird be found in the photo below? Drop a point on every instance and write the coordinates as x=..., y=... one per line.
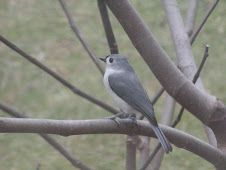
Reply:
x=128, y=93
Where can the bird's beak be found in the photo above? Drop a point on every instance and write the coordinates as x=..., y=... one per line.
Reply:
x=102, y=59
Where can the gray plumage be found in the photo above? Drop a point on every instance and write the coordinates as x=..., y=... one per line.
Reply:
x=128, y=93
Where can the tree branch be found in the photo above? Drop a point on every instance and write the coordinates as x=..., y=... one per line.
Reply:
x=191, y=16
x=107, y=27
x=58, y=77
x=185, y=59
x=104, y=126
x=204, y=19
x=81, y=37
x=69, y=156
x=130, y=153
x=155, y=151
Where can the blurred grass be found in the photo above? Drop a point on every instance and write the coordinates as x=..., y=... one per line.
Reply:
x=41, y=29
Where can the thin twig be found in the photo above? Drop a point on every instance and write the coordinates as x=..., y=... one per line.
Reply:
x=80, y=36
x=57, y=76
x=107, y=27
x=206, y=16
x=151, y=156
x=69, y=156
x=181, y=110
x=196, y=76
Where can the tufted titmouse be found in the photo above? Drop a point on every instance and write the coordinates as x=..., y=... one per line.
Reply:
x=128, y=93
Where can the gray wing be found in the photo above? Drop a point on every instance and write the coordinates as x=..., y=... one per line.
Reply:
x=129, y=88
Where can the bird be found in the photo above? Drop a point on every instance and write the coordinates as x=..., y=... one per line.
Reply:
x=128, y=93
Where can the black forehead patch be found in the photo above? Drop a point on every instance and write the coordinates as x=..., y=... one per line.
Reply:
x=107, y=56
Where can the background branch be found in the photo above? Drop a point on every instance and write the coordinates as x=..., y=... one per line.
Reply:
x=81, y=37
x=206, y=16
x=58, y=77
x=103, y=126
x=191, y=16
x=130, y=153
x=69, y=156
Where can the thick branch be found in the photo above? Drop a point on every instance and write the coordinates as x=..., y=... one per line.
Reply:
x=107, y=27
x=200, y=104
x=69, y=156
x=103, y=126
x=57, y=76
x=81, y=37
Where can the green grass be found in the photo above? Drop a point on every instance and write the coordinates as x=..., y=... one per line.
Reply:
x=41, y=29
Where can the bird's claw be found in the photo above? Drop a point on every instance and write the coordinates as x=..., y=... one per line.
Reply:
x=134, y=119
x=114, y=119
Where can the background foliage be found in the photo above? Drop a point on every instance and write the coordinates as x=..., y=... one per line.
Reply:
x=42, y=30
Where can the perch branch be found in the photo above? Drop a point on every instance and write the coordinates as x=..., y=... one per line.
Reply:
x=107, y=27
x=69, y=156
x=104, y=126
x=58, y=77
x=80, y=36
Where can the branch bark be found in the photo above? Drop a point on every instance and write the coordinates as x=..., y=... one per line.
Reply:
x=81, y=37
x=130, y=153
x=103, y=126
x=68, y=155
x=210, y=110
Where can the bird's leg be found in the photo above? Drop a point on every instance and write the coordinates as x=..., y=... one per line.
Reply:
x=114, y=118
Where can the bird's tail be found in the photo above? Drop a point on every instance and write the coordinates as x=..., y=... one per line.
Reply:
x=165, y=143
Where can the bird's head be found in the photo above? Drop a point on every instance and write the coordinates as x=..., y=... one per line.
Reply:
x=115, y=61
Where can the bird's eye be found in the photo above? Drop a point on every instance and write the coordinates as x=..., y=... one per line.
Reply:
x=111, y=60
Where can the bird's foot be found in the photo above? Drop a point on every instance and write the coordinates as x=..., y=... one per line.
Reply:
x=114, y=118
x=133, y=118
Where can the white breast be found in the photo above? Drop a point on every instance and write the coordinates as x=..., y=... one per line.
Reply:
x=117, y=100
